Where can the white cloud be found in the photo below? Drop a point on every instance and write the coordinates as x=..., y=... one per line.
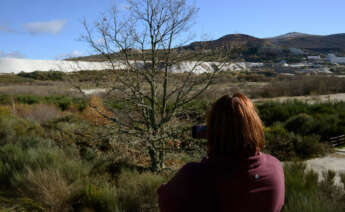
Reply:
x=75, y=53
x=51, y=27
x=14, y=54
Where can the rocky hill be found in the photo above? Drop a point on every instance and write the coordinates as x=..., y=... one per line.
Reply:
x=230, y=41
x=319, y=43
x=322, y=44
x=290, y=46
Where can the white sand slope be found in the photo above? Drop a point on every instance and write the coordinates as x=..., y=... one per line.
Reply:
x=14, y=65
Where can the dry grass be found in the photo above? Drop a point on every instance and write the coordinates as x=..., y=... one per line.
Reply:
x=37, y=112
x=39, y=90
x=96, y=113
x=301, y=86
x=49, y=188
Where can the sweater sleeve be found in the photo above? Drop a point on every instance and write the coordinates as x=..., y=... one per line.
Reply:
x=174, y=195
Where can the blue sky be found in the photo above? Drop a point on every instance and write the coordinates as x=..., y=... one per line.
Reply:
x=49, y=29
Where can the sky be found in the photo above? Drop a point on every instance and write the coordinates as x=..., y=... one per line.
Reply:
x=50, y=29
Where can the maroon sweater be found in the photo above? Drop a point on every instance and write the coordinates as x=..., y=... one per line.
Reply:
x=250, y=184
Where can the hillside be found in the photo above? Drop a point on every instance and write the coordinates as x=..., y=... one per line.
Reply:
x=227, y=41
x=255, y=49
x=319, y=43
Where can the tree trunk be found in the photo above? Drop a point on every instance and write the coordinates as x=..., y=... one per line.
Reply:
x=157, y=160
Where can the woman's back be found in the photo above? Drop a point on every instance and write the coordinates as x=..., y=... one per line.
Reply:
x=252, y=184
x=257, y=185
x=237, y=176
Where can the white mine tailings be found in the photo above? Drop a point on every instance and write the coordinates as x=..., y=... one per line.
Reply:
x=14, y=65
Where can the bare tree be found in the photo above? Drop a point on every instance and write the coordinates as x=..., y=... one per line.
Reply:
x=140, y=43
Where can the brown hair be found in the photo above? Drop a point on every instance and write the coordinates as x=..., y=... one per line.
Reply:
x=234, y=128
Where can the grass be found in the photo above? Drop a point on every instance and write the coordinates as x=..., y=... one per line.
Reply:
x=96, y=197
x=58, y=154
x=305, y=193
x=138, y=190
x=52, y=179
x=41, y=178
x=44, y=168
x=10, y=79
x=62, y=102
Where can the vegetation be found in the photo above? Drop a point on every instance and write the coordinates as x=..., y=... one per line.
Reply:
x=323, y=119
x=304, y=192
x=69, y=159
x=42, y=75
x=302, y=86
x=43, y=169
x=62, y=102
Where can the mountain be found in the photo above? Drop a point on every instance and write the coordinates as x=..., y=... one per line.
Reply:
x=287, y=36
x=289, y=40
x=294, y=40
x=319, y=43
x=231, y=40
x=288, y=46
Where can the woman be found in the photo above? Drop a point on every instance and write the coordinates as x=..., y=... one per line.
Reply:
x=236, y=176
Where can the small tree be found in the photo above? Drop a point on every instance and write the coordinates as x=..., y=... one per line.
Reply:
x=139, y=42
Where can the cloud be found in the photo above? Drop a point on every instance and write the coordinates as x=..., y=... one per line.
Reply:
x=14, y=54
x=50, y=27
x=75, y=53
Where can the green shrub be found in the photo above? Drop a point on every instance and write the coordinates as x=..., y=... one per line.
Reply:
x=65, y=102
x=271, y=112
x=280, y=143
x=20, y=204
x=14, y=129
x=44, y=75
x=34, y=154
x=328, y=125
x=38, y=169
x=288, y=146
x=10, y=79
x=136, y=191
x=62, y=102
x=95, y=197
x=7, y=132
x=300, y=124
x=15, y=159
x=6, y=99
x=27, y=99
x=323, y=119
x=310, y=146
